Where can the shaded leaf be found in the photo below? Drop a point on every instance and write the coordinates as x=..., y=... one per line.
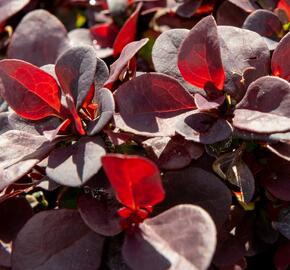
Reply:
x=203, y=127
x=5, y=256
x=283, y=223
x=206, y=104
x=51, y=240
x=106, y=108
x=14, y=213
x=261, y=111
x=280, y=149
x=279, y=64
x=27, y=151
x=135, y=180
x=188, y=8
x=148, y=103
x=129, y=51
x=38, y=39
x=245, y=57
x=281, y=258
x=199, y=57
x=127, y=33
x=35, y=93
x=172, y=153
x=246, y=5
x=196, y=186
x=75, y=164
x=100, y=213
x=156, y=246
x=265, y=23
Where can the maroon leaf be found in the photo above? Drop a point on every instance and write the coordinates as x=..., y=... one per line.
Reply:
x=164, y=55
x=75, y=70
x=203, y=127
x=245, y=57
x=172, y=153
x=280, y=66
x=129, y=51
x=156, y=246
x=77, y=163
x=39, y=39
x=100, y=213
x=35, y=93
x=14, y=213
x=136, y=180
x=199, y=58
x=57, y=239
x=148, y=104
x=10, y=7
x=128, y=32
x=27, y=151
x=106, y=108
x=280, y=149
x=230, y=14
x=261, y=111
x=281, y=258
x=265, y=23
x=197, y=186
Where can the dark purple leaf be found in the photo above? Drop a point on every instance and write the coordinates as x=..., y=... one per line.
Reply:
x=281, y=258
x=38, y=39
x=280, y=64
x=149, y=103
x=129, y=51
x=283, y=223
x=106, y=108
x=199, y=56
x=75, y=164
x=172, y=153
x=27, y=151
x=262, y=112
x=230, y=14
x=75, y=70
x=265, y=23
x=197, y=186
x=188, y=8
x=57, y=239
x=245, y=57
x=156, y=245
x=280, y=149
x=14, y=213
x=164, y=55
x=100, y=212
x=203, y=127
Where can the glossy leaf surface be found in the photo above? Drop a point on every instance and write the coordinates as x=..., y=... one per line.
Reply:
x=31, y=92
x=136, y=180
x=199, y=58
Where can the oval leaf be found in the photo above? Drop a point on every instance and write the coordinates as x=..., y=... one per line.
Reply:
x=265, y=107
x=148, y=104
x=51, y=240
x=38, y=39
x=156, y=246
x=136, y=180
x=199, y=57
x=31, y=92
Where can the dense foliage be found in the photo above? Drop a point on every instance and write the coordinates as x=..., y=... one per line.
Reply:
x=144, y=134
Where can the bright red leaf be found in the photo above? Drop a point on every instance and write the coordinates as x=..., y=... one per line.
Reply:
x=127, y=33
x=31, y=92
x=136, y=180
x=199, y=57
